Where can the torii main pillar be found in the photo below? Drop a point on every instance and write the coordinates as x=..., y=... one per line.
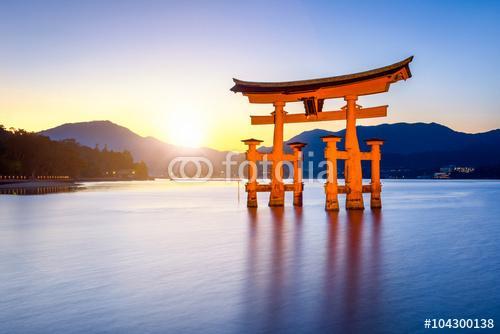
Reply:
x=277, y=196
x=352, y=171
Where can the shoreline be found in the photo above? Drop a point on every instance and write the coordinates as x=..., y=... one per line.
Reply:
x=30, y=184
x=71, y=183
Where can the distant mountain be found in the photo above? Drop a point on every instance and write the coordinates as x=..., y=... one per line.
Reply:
x=413, y=149
x=101, y=133
x=409, y=150
x=410, y=138
x=155, y=153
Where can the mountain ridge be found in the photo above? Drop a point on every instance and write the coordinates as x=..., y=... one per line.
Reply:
x=104, y=133
x=415, y=146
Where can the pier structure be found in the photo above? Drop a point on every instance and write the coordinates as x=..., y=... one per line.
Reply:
x=313, y=93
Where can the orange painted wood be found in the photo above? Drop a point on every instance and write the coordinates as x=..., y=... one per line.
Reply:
x=267, y=187
x=371, y=112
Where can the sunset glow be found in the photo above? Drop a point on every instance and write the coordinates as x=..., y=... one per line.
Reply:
x=185, y=129
x=129, y=66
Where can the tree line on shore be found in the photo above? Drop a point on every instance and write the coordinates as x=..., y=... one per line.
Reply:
x=30, y=154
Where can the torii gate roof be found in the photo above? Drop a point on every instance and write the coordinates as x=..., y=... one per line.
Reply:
x=387, y=74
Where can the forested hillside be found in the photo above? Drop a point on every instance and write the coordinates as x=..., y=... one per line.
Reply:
x=30, y=154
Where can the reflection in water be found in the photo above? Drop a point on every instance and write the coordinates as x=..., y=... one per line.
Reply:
x=352, y=293
x=275, y=286
x=353, y=258
x=346, y=261
x=330, y=294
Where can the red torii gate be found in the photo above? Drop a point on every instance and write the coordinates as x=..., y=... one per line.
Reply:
x=313, y=93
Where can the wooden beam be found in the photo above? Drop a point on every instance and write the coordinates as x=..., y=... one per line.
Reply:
x=380, y=111
x=367, y=188
x=366, y=87
x=269, y=157
x=258, y=120
x=366, y=155
x=342, y=155
x=267, y=187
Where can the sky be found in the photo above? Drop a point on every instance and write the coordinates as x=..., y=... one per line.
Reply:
x=164, y=68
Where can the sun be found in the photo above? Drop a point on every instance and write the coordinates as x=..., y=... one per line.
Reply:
x=185, y=129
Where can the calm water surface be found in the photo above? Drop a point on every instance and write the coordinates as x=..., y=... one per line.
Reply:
x=160, y=257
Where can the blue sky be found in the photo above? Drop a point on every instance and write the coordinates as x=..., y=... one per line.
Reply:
x=155, y=66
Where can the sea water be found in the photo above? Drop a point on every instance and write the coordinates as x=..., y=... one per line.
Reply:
x=170, y=257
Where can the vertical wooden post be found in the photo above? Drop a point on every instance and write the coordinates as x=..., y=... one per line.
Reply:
x=331, y=186
x=353, y=174
x=252, y=158
x=376, y=187
x=277, y=196
x=298, y=185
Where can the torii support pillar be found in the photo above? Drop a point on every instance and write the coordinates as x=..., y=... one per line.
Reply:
x=298, y=185
x=353, y=174
x=376, y=187
x=277, y=196
x=331, y=186
x=252, y=156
